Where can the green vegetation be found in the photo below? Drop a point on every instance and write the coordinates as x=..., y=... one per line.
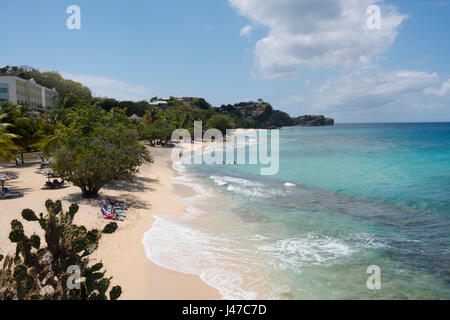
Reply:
x=43, y=273
x=91, y=146
x=49, y=80
x=130, y=107
x=37, y=131
x=22, y=129
x=220, y=122
x=261, y=115
x=160, y=131
x=97, y=147
x=7, y=146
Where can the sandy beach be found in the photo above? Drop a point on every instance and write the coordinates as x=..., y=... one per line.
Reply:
x=153, y=192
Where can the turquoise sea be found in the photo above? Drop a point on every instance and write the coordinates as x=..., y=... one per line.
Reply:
x=346, y=197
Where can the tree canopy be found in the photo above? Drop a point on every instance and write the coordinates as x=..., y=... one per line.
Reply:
x=220, y=122
x=97, y=147
x=50, y=80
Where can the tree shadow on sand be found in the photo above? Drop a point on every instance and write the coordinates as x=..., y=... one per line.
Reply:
x=16, y=185
x=134, y=202
x=136, y=184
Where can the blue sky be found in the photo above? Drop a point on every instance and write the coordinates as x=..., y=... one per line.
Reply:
x=303, y=56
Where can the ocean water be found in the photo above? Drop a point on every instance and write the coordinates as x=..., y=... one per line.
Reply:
x=346, y=197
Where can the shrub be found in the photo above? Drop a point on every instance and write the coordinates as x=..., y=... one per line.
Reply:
x=220, y=122
x=42, y=273
x=98, y=147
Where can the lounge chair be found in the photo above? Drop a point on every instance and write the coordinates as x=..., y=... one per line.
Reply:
x=109, y=216
x=107, y=204
x=8, y=194
x=55, y=184
x=115, y=203
x=108, y=209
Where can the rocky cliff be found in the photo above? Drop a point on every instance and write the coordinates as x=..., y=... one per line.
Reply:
x=313, y=121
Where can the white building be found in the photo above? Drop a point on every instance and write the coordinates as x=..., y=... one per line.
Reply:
x=27, y=92
x=159, y=103
x=135, y=117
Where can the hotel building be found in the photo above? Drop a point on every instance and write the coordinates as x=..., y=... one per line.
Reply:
x=27, y=92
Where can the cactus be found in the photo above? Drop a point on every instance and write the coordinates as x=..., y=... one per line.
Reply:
x=37, y=272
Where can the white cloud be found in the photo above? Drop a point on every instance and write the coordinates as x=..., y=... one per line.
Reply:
x=246, y=31
x=317, y=33
x=111, y=88
x=442, y=91
x=373, y=92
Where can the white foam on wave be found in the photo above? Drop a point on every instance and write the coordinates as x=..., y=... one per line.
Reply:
x=176, y=247
x=288, y=184
x=185, y=179
x=251, y=189
x=369, y=241
x=178, y=166
x=251, y=193
x=313, y=249
x=233, y=180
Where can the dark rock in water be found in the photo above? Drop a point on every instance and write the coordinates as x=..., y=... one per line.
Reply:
x=329, y=122
x=248, y=216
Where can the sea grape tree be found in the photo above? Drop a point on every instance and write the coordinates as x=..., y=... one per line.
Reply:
x=98, y=147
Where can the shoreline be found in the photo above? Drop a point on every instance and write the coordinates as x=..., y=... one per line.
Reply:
x=163, y=283
x=153, y=192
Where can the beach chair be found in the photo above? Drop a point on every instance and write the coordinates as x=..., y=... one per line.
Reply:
x=51, y=185
x=12, y=194
x=108, y=210
x=115, y=203
x=62, y=184
x=109, y=216
x=56, y=184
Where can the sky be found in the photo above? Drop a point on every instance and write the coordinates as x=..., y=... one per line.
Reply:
x=302, y=56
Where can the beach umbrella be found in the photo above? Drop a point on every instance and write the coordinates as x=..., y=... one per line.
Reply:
x=48, y=171
x=6, y=176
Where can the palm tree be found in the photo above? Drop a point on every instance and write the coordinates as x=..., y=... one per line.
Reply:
x=151, y=117
x=7, y=146
x=23, y=125
x=63, y=116
x=146, y=120
x=47, y=137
